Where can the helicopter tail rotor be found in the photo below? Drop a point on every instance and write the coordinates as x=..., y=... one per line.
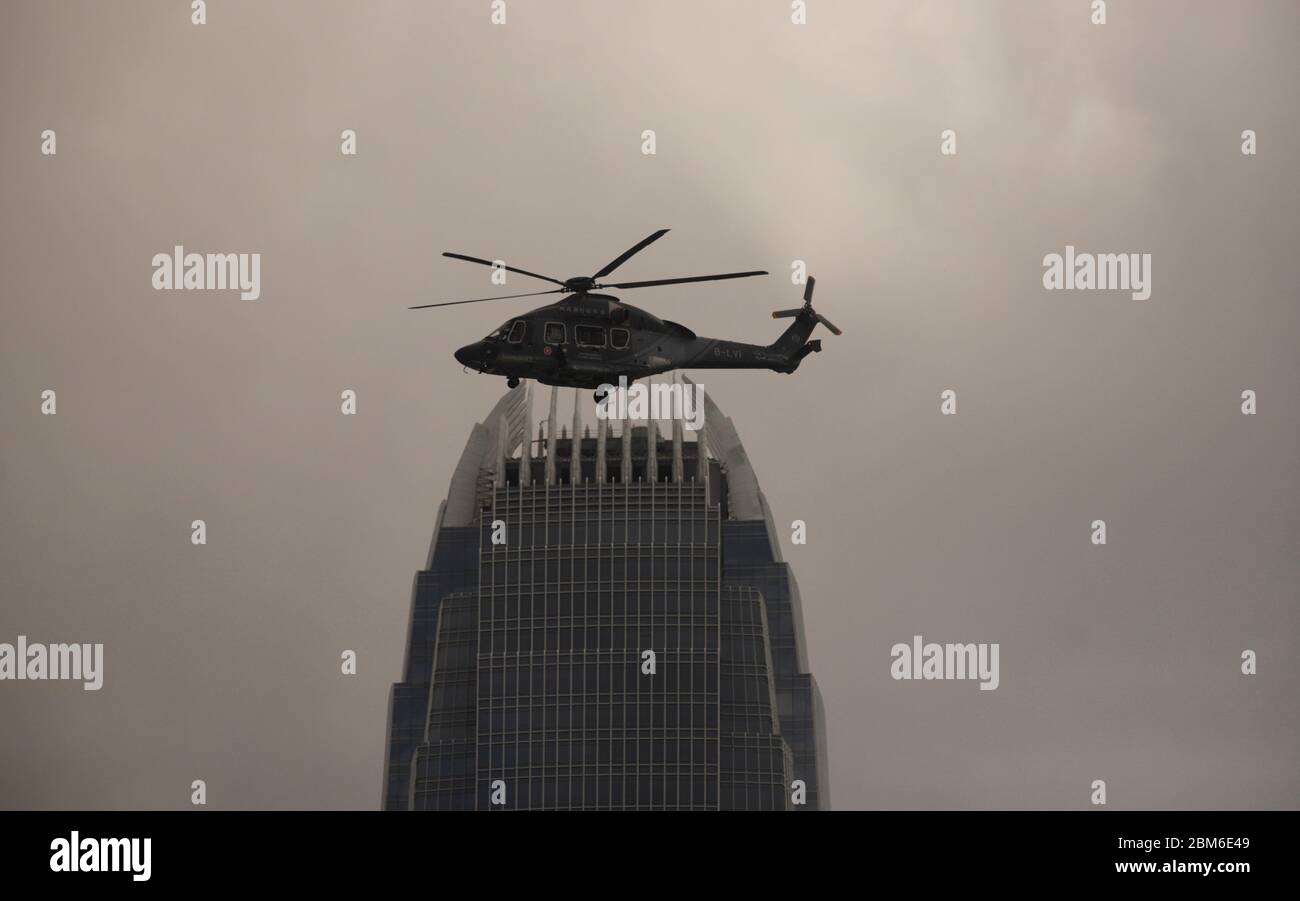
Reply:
x=807, y=310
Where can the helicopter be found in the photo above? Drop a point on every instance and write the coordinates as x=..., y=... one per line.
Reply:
x=588, y=339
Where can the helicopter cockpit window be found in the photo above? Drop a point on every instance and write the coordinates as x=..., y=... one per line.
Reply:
x=517, y=331
x=618, y=338
x=555, y=333
x=589, y=335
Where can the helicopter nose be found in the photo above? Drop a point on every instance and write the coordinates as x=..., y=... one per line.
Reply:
x=472, y=355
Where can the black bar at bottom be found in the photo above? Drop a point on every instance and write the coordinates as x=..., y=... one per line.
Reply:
x=332, y=850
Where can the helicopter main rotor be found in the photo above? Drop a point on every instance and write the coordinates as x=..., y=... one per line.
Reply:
x=585, y=283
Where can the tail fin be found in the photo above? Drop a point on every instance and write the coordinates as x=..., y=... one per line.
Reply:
x=805, y=320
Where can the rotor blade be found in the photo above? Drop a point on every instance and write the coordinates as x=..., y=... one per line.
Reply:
x=452, y=303
x=807, y=292
x=826, y=322
x=461, y=256
x=682, y=281
x=636, y=248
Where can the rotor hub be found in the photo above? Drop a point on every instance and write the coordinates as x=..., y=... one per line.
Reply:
x=579, y=284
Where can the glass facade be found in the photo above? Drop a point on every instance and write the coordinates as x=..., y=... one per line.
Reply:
x=611, y=643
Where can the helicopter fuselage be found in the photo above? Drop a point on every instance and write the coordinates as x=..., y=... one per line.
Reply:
x=588, y=340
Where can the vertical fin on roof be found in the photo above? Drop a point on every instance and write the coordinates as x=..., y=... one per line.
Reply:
x=602, y=431
x=679, y=467
x=575, y=454
x=626, y=463
x=744, y=499
x=509, y=414
x=551, y=438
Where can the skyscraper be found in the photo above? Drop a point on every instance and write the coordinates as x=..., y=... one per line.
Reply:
x=604, y=622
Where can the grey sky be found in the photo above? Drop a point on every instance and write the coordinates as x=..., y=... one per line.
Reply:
x=775, y=143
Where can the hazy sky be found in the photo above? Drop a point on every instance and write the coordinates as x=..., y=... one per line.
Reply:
x=775, y=143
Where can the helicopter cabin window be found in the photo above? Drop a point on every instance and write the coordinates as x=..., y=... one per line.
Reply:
x=589, y=335
x=555, y=333
x=517, y=331
x=618, y=338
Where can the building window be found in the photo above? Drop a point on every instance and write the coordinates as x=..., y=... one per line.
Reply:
x=589, y=335
x=517, y=331
x=555, y=333
x=618, y=338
